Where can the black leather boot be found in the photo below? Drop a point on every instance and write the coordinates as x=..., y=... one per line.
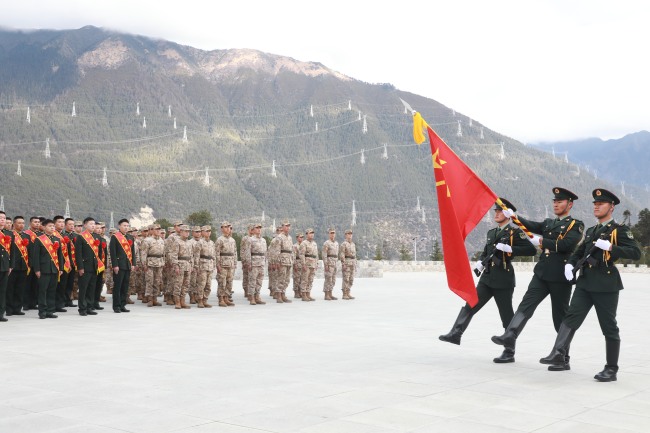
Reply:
x=563, y=366
x=508, y=355
x=513, y=331
x=461, y=324
x=612, y=347
x=561, y=346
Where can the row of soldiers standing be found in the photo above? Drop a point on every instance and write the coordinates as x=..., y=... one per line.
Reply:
x=178, y=265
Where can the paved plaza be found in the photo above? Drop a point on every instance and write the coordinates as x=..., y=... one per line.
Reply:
x=372, y=365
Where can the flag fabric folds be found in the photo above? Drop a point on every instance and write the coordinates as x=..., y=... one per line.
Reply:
x=463, y=200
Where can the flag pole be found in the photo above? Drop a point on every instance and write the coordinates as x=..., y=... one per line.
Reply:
x=515, y=219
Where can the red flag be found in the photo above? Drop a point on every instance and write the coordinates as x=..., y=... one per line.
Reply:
x=463, y=199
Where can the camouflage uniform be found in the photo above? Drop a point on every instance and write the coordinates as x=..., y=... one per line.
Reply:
x=272, y=272
x=255, y=257
x=180, y=255
x=244, y=251
x=206, y=262
x=308, y=257
x=153, y=258
x=348, y=257
x=196, y=248
x=108, y=275
x=226, y=259
x=297, y=267
x=330, y=255
x=168, y=274
x=281, y=256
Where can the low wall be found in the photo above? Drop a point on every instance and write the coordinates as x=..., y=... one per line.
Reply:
x=376, y=269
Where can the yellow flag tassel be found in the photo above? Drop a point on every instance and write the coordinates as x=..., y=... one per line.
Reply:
x=419, y=126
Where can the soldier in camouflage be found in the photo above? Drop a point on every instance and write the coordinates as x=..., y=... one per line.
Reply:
x=196, y=237
x=152, y=257
x=255, y=259
x=281, y=256
x=180, y=255
x=330, y=255
x=226, y=259
x=348, y=257
x=308, y=257
x=206, y=266
x=297, y=267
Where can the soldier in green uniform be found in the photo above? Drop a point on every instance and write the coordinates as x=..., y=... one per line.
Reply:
x=48, y=267
x=100, y=228
x=599, y=283
x=5, y=262
x=88, y=264
x=498, y=278
x=19, y=269
x=558, y=238
x=71, y=235
x=122, y=251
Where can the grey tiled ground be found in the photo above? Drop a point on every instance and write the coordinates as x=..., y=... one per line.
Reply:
x=373, y=365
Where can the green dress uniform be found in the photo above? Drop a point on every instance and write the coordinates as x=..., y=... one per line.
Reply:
x=497, y=280
x=70, y=282
x=120, y=260
x=18, y=277
x=49, y=270
x=559, y=237
x=99, y=281
x=5, y=264
x=86, y=261
x=30, y=298
x=597, y=286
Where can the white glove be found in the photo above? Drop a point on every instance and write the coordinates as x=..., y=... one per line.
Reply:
x=508, y=213
x=603, y=244
x=504, y=247
x=479, y=266
x=535, y=240
x=568, y=271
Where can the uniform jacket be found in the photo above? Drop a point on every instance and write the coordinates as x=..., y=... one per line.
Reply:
x=196, y=252
x=502, y=275
x=17, y=260
x=348, y=253
x=85, y=256
x=603, y=276
x=43, y=261
x=118, y=256
x=103, y=248
x=226, y=252
x=308, y=254
x=153, y=252
x=5, y=256
x=560, y=238
x=244, y=249
x=205, y=257
x=180, y=254
x=281, y=250
x=330, y=252
x=257, y=251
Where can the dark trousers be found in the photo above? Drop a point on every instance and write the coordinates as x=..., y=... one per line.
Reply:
x=47, y=293
x=68, y=288
x=99, y=285
x=502, y=297
x=60, y=290
x=30, y=295
x=15, y=288
x=86, y=291
x=4, y=277
x=538, y=290
x=121, y=288
x=605, y=304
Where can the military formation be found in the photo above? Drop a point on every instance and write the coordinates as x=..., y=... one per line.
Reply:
x=53, y=262
x=568, y=255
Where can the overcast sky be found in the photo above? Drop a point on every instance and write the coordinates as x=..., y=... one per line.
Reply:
x=533, y=70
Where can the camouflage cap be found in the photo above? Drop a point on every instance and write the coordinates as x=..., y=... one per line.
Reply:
x=258, y=226
x=348, y=232
x=177, y=222
x=225, y=224
x=170, y=229
x=185, y=228
x=78, y=224
x=112, y=230
x=206, y=228
x=196, y=228
x=331, y=230
x=299, y=235
x=101, y=224
x=309, y=230
x=155, y=226
x=286, y=223
x=251, y=226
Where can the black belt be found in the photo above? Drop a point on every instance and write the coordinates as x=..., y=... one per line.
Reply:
x=183, y=258
x=226, y=254
x=311, y=256
x=207, y=257
x=258, y=254
x=154, y=255
x=286, y=251
x=332, y=255
x=350, y=257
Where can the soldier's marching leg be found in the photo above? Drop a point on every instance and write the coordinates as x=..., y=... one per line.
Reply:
x=245, y=277
x=149, y=289
x=185, y=286
x=230, y=275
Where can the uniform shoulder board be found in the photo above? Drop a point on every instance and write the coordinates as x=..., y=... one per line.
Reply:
x=522, y=235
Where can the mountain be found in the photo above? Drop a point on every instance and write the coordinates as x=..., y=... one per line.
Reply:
x=246, y=113
x=619, y=160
